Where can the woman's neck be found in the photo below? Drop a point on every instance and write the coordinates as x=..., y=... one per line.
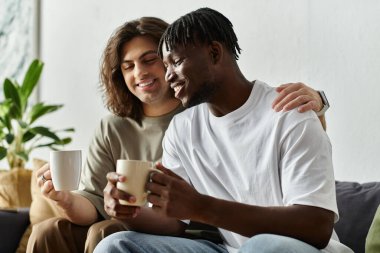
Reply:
x=154, y=110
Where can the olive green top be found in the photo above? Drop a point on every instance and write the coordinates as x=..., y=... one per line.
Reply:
x=373, y=238
x=120, y=138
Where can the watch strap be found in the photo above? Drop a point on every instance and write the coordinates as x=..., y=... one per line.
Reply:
x=325, y=102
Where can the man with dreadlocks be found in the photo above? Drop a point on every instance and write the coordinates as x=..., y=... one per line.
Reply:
x=265, y=179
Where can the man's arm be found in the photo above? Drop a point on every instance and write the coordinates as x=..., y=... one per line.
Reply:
x=174, y=197
x=310, y=224
x=71, y=206
x=293, y=95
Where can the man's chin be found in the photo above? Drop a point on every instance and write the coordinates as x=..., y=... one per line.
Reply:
x=191, y=102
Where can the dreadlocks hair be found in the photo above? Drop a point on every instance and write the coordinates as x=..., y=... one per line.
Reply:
x=203, y=25
x=116, y=95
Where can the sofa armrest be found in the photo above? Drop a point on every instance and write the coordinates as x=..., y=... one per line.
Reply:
x=357, y=205
x=12, y=226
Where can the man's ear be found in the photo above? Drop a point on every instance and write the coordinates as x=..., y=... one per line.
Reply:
x=216, y=51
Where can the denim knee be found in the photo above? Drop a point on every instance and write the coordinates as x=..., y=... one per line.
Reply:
x=263, y=243
x=270, y=243
x=108, y=244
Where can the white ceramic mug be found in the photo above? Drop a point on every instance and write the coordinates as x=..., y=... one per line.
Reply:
x=65, y=167
x=137, y=174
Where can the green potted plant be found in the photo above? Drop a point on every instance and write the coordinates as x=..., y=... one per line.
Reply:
x=19, y=132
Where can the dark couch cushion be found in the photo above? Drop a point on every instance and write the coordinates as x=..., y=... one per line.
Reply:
x=357, y=205
x=12, y=227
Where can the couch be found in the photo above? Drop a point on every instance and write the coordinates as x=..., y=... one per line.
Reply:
x=13, y=224
x=357, y=204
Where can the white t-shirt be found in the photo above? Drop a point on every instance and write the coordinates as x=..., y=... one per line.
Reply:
x=255, y=156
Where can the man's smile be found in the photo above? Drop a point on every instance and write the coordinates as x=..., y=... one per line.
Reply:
x=177, y=87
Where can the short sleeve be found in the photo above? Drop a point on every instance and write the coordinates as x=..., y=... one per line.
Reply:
x=306, y=170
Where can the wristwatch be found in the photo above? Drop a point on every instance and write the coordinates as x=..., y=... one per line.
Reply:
x=325, y=102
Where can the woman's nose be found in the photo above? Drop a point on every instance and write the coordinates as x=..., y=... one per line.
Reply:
x=140, y=71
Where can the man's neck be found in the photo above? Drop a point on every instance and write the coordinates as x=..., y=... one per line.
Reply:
x=233, y=93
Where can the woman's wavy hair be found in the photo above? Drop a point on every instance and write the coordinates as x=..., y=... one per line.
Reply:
x=116, y=95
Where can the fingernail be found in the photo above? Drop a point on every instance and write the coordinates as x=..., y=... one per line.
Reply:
x=137, y=211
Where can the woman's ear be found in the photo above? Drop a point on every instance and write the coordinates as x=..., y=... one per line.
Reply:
x=216, y=51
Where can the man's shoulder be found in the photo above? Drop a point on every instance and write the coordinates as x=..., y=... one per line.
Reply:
x=265, y=91
x=290, y=121
x=296, y=117
x=267, y=94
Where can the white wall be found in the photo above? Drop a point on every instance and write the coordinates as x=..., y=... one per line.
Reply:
x=331, y=44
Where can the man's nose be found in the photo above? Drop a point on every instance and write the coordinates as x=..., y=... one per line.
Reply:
x=169, y=75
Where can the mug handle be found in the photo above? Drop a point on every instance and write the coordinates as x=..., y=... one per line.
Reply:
x=151, y=170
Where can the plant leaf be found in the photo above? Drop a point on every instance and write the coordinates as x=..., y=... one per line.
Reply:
x=22, y=124
x=44, y=131
x=5, y=106
x=3, y=152
x=7, y=122
x=64, y=141
x=40, y=109
x=49, y=145
x=11, y=92
x=24, y=156
x=45, y=145
x=9, y=138
x=28, y=135
x=54, y=148
x=31, y=78
x=67, y=130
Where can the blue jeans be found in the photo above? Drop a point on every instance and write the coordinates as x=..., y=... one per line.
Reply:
x=269, y=243
x=133, y=242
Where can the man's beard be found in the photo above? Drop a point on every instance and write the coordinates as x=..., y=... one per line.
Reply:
x=202, y=95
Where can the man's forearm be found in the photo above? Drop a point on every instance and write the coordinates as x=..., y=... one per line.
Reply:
x=77, y=209
x=149, y=221
x=310, y=224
